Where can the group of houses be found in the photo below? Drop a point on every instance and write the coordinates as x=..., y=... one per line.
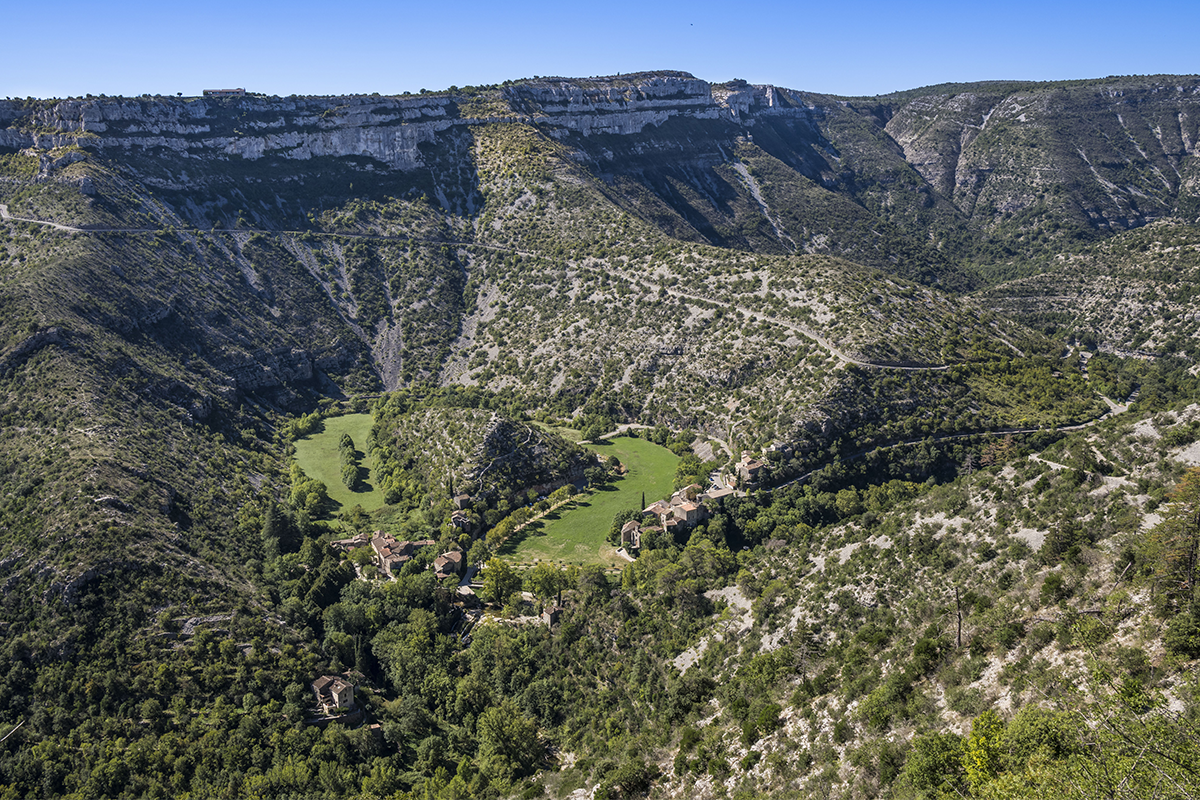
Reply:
x=691, y=505
x=684, y=509
x=391, y=555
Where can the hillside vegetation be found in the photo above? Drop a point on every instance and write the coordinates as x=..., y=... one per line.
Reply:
x=953, y=324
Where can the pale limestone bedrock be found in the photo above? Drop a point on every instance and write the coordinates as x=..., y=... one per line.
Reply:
x=387, y=129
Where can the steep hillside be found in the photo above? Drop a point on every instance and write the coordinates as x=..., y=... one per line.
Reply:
x=897, y=302
x=867, y=659
x=560, y=295
x=1132, y=294
x=1044, y=163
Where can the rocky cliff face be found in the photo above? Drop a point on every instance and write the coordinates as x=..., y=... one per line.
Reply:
x=1124, y=149
x=992, y=149
x=388, y=129
x=1082, y=157
x=392, y=212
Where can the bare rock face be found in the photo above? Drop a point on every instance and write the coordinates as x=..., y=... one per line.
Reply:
x=50, y=161
x=934, y=130
x=201, y=409
x=388, y=129
x=612, y=106
x=998, y=151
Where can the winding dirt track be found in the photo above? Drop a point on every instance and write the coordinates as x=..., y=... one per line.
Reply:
x=820, y=340
x=1114, y=408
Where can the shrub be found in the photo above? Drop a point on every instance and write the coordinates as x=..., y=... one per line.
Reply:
x=934, y=766
x=1035, y=730
x=966, y=701
x=887, y=701
x=1183, y=635
x=1055, y=588
x=1040, y=636
x=1006, y=636
x=630, y=779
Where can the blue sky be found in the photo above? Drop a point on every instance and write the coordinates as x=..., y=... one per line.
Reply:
x=74, y=48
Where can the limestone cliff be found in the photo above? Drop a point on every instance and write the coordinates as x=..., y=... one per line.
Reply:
x=388, y=129
x=373, y=240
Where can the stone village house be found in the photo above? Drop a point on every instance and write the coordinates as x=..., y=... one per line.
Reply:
x=333, y=692
x=683, y=509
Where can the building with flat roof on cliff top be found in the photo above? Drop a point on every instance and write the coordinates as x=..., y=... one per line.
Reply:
x=224, y=92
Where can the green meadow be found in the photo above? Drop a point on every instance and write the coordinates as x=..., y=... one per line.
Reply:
x=577, y=533
x=317, y=455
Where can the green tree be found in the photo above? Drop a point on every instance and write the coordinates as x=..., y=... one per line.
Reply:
x=358, y=519
x=1172, y=547
x=689, y=470
x=848, y=503
x=1038, y=731
x=592, y=583
x=631, y=779
x=348, y=456
x=546, y=580
x=1183, y=633
x=1060, y=539
x=499, y=581
x=508, y=742
x=274, y=530
x=934, y=768
x=309, y=496
x=983, y=758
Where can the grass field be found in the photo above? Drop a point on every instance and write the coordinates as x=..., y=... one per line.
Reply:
x=317, y=455
x=578, y=534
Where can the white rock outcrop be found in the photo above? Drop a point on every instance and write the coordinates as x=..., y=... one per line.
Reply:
x=387, y=129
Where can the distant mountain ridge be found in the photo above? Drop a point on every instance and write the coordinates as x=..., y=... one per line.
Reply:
x=1120, y=150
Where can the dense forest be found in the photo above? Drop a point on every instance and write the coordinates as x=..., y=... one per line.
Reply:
x=815, y=675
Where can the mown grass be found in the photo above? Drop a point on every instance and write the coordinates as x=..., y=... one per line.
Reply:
x=577, y=533
x=317, y=455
